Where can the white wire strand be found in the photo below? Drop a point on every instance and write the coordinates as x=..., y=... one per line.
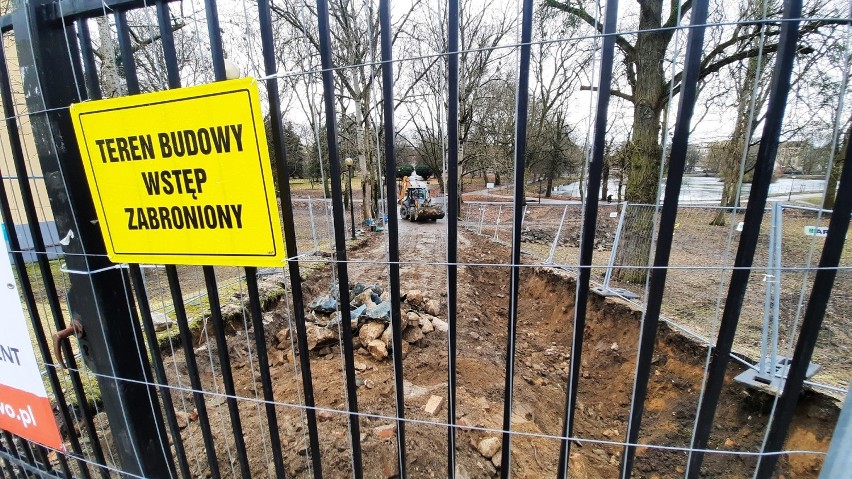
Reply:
x=442, y=424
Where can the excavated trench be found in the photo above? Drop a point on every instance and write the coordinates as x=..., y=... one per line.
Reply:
x=541, y=372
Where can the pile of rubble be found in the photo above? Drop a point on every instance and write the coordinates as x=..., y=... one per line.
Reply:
x=370, y=319
x=603, y=237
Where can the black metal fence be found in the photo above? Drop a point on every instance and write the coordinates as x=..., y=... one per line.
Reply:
x=150, y=384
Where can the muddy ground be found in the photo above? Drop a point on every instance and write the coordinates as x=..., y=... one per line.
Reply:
x=542, y=364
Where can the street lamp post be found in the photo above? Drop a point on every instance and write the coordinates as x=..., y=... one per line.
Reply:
x=351, y=205
x=540, y=180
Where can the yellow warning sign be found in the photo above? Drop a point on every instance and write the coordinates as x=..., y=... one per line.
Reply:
x=182, y=176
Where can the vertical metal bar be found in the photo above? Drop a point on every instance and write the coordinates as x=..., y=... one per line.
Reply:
x=393, y=227
x=173, y=77
x=263, y=366
x=138, y=280
x=291, y=246
x=452, y=224
x=164, y=21
x=225, y=367
x=668, y=218
x=481, y=217
x=218, y=58
x=782, y=416
x=23, y=37
x=838, y=461
x=192, y=369
x=12, y=449
x=587, y=239
x=324, y=31
x=215, y=37
x=26, y=454
x=748, y=238
x=313, y=225
x=157, y=360
x=8, y=450
x=126, y=48
x=558, y=234
x=91, y=76
x=497, y=223
x=42, y=457
x=769, y=280
x=614, y=252
x=777, y=220
x=73, y=51
x=522, y=101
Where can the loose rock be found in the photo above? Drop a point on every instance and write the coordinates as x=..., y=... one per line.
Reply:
x=414, y=297
x=377, y=349
x=379, y=311
x=385, y=432
x=387, y=336
x=440, y=325
x=425, y=324
x=318, y=336
x=412, y=334
x=324, y=305
x=432, y=307
x=412, y=318
x=182, y=419
x=433, y=405
x=370, y=331
x=489, y=446
x=161, y=321
x=283, y=338
x=363, y=299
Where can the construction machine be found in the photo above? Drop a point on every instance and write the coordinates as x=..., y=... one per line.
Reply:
x=415, y=202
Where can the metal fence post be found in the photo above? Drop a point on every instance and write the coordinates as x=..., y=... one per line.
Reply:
x=614, y=251
x=481, y=217
x=313, y=226
x=112, y=346
x=497, y=224
x=556, y=239
x=764, y=366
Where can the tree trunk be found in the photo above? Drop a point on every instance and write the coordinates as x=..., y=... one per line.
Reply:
x=605, y=178
x=831, y=187
x=730, y=167
x=363, y=166
x=112, y=85
x=649, y=98
x=440, y=179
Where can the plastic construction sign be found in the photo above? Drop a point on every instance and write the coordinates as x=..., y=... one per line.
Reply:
x=25, y=409
x=182, y=176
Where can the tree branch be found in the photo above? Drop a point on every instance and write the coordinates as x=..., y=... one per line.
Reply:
x=615, y=93
x=584, y=16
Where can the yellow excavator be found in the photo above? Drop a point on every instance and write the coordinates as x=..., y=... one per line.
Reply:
x=415, y=202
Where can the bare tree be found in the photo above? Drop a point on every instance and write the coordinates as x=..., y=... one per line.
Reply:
x=483, y=32
x=649, y=87
x=355, y=35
